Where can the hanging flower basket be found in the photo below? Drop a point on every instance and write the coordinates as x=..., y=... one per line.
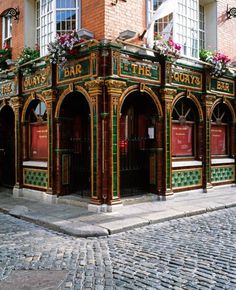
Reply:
x=27, y=54
x=169, y=50
x=218, y=60
x=63, y=47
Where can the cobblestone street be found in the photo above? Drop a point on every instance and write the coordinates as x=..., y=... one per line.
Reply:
x=189, y=253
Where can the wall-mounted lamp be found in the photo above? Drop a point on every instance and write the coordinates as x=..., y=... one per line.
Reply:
x=231, y=12
x=127, y=34
x=85, y=34
x=13, y=12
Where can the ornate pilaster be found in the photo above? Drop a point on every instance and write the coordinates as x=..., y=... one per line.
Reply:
x=114, y=91
x=95, y=91
x=16, y=103
x=167, y=98
x=50, y=97
x=208, y=101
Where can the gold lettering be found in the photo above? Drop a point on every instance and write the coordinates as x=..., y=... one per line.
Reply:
x=148, y=72
x=141, y=70
x=126, y=67
x=66, y=72
x=134, y=68
x=78, y=69
x=222, y=86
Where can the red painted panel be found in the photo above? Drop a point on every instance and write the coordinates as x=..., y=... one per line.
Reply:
x=218, y=140
x=39, y=141
x=182, y=140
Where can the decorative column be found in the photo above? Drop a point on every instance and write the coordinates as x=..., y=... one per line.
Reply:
x=96, y=90
x=208, y=101
x=114, y=91
x=167, y=97
x=50, y=97
x=17, y=107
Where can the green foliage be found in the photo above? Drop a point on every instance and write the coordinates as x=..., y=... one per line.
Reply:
x=4, y=55
x=27, y=55
x=205, y=54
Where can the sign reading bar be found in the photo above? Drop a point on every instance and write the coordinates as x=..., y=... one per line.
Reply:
x=182, y=140
x=86, y=67
x=8, y=88
x=222, y=86
x=218, y=140
x=187, y=79
x=39, y=141
x=141, y=70
x=36, y=80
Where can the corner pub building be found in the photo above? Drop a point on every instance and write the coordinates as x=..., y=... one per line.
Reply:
x=118, y=119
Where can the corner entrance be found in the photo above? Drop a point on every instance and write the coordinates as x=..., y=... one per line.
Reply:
x=7, y=147
x=76, y=142
x=137, y=145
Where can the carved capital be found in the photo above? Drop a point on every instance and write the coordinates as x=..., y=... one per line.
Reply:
x=208, y=100
x=94, y=86
x=16, y=102
x=168, y=94
x=49, y=96
x=114, y=86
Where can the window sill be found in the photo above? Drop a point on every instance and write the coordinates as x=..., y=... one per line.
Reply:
x=41, y=164
x=189, y=163
x=222, y=160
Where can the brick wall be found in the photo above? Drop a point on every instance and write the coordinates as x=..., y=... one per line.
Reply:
x=226, y=29
x=17, y=25
x=92, y=16
x=124, y=15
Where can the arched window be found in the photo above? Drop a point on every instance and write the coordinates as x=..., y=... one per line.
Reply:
x=38, y=131
x=184, y=137
x=221, y=131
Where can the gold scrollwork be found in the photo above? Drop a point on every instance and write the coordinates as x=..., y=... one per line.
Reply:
x=168, y=94
x=115, y=85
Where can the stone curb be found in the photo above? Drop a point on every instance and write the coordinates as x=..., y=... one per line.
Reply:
x=100, y=231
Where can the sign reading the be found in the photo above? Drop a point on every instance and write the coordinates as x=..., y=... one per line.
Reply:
x=218, y=140
x=222, y=86
x=8, y=88
x=182, y=140
x=39, y=79
x=187, y=79
x=140, y=70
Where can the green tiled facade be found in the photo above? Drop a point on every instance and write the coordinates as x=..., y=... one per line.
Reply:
x=186, y=178
x=35, y=178
x=115, y=157
x=221, y=174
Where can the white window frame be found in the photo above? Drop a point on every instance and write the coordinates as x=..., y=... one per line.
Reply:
x=182, y=32
x=48, y=22
x=7, y=24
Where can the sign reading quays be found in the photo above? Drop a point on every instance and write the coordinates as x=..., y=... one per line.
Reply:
x=222, y=86
x=8, y=88
x=40, y=78
x=187, y=79
x=143, y=70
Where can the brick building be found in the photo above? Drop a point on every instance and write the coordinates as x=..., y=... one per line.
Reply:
x=119, y=118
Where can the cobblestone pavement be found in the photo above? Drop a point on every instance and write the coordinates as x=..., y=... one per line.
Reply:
x=189, y=253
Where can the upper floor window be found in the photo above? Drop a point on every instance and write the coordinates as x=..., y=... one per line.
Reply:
x=55, y=16
x=7, y=31
x=186, y=25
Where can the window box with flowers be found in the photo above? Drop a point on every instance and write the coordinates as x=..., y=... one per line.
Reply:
x=64, y=48
x=219, y=62
x=167, y=49
x=5, y=55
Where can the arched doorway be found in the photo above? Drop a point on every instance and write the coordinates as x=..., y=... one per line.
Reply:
x=7, y=147
x=137, y=131
x=75, y=137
